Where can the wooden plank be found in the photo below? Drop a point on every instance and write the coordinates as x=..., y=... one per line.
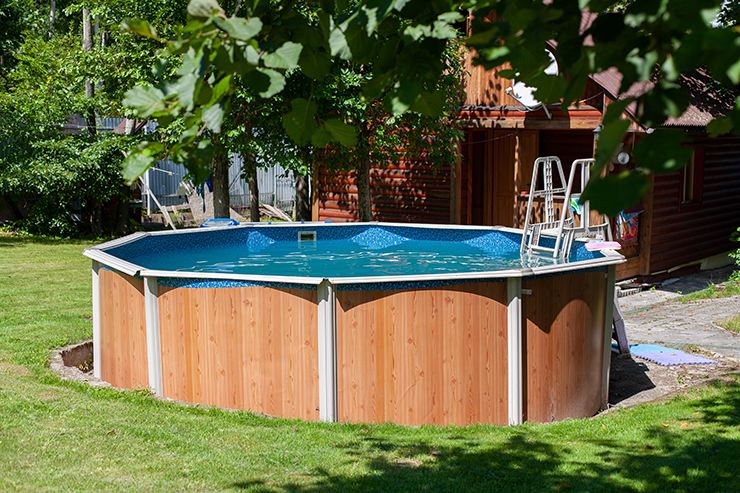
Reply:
x=315, y=190
x=527, y=151
x=564, y=341
x=586, y=123
x=123, y=331
x=489, y=183
x=426, y=356
x=242, y=348
x=456, y=188
x=645, y=231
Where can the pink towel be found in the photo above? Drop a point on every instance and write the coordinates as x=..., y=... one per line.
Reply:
x=603, y=245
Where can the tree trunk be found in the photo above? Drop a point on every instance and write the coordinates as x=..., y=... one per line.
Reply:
x=96, y=208
x=364, y=204
x=122, y=227
x=302, y=199
x=254, y=197
x=302, y=196
x=220, y=180
x=87, y=45
x=52, y=17
x=249, y=169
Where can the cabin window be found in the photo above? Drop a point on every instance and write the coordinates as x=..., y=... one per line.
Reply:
x=691, y=179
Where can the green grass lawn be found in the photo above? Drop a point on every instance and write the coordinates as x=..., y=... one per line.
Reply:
x=722, y=290
x=62, y=436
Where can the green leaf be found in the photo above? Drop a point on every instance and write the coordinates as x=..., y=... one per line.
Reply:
x=135, y=165
x=284, y=58
x=315, y=64
x=400, y=99
x=193, y=62
x=338, y=45
x=615, y=192
x=240, y=28
x=221, y=89
x=140, y=159
x=359, y=42
x=429, y=103
x=374, y=88
x=386, y=59
x=720, y=126
x=276, y=82
x=186, y=90
x=299, y=123
x=609, y=139
x=341, y=132
x=213, y=116
x=257, y=81
x=321, y=138
x=204, y=8
x=203, y=93
x=251, y=55
x=416, y=32
x=146, y=100
x=442, y=30
x=507, y=73
x=663, y=151
x=139, y=27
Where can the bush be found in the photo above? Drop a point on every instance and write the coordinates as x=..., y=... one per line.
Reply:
x=59, y=170
x=735, y=277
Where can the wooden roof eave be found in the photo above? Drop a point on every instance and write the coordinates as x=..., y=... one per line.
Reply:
x=580, y=117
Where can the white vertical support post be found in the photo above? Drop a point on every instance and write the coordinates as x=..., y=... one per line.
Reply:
x=611, y=275
x=327, y=319
x=153, y=349
x=148, y=194
x=514, y=338
x=97, y=366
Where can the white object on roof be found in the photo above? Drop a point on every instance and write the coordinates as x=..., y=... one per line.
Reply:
x=525, y=94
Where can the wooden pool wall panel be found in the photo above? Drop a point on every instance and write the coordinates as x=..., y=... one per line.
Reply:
x=123, y=352
x=426, y=356
x=433, y=355
x=249, y=348
x=564, y=341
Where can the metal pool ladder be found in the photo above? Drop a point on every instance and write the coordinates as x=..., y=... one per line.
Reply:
x=564, y=230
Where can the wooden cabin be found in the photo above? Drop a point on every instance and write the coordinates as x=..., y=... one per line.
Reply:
x=688, y=216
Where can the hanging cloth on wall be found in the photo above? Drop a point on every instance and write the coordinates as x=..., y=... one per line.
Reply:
x=202, y=193
x=628, y=224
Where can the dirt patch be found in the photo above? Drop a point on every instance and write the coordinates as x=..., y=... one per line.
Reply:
x=635, y=381
x=75, y=362
x=79, y=356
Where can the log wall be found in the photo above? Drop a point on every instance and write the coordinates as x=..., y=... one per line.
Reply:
x=408, y=191
x=683, y=233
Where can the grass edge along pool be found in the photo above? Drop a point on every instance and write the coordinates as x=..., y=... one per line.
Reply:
x=481, y=347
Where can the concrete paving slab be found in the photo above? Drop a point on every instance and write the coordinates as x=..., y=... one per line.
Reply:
x=653, y=316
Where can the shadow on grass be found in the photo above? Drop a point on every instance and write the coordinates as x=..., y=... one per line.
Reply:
x=628, y=377
x=695, y=458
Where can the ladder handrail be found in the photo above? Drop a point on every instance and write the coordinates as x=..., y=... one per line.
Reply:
x=585, y=211
x=564, y=229
x=538, y=193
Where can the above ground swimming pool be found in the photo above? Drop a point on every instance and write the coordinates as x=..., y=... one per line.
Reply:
x=368, y=322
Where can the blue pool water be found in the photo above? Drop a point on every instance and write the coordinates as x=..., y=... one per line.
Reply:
x=366, y=252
